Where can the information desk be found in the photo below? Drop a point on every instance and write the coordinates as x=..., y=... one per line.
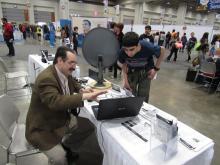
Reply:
x=123, y=147
x=35, y=66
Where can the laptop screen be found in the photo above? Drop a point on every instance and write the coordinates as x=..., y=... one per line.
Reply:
x=119, y=107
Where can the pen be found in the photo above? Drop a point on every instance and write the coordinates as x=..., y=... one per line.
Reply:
x=186, y=144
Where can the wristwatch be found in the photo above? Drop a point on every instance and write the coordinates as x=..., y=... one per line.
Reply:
x=156, y=68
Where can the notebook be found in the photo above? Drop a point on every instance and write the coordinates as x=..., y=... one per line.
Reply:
x=117, y=107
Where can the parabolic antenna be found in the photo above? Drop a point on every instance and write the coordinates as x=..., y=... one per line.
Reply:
x=100, y=49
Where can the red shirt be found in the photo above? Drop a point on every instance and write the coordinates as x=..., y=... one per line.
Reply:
x=8, y=31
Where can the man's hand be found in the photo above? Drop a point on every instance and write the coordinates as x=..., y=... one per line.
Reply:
x=92, y=95
x=151, y=74
x=87, y=90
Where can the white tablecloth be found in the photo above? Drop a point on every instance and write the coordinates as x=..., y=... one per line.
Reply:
x=122, y=147
x=35, y=66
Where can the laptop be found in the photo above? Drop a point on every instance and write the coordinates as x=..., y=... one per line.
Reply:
x=117, y=107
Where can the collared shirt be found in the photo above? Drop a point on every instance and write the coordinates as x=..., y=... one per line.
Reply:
x=66, y=91
x=64, y=82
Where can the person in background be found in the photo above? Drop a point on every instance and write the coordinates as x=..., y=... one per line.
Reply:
x=215, y=44
x=173, y=34
x=156, y=38
x=75, y=39
x=28, y=30
x=23, y=30
x=39, y=33
x=118, y=28
x=8, y=36
x=162, y=38
x=202, y=51
x=168, y=37
x=32, y=31
x=111, y=26
x=138, y=68
x=176, y=45
x=46, y=32
x=51, y=125
x=147, y=35
x=205, y=38
x=190, y=45
x=184, y=41
x=52, y=35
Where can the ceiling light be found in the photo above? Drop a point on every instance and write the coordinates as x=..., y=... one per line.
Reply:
x=168, y=3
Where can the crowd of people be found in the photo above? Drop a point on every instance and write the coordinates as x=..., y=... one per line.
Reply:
x=52, y=120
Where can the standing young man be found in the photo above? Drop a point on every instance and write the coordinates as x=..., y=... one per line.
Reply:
x=147, y=36
x=8, y=36
x=138, y=64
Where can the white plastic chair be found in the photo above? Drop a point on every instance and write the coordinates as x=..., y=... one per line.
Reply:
x=13, y=75
x=15, y=132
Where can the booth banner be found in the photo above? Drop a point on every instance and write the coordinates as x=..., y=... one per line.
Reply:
x=87, y=23
x=214, y=4
x=202, y=5
x=208, y=5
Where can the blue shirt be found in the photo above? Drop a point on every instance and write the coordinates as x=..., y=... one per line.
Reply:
x=142, y=59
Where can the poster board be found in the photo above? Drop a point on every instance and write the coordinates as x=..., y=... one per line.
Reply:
x=85, y=24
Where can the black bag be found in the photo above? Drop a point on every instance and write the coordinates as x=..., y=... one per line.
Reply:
x=191, y=74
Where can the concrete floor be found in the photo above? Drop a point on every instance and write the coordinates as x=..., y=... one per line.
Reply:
x=170, y=92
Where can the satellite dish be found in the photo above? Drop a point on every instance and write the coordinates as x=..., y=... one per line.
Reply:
x=100, y=48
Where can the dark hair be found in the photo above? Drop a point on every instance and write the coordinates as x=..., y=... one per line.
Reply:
x=147, y=27
x=4, y=19
x=112, y=24
x=120, y=26
x=62, y=52
x=130, y=39
x=86, y=20
x=205, y=35
x=75, y=28
x=214, y=39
